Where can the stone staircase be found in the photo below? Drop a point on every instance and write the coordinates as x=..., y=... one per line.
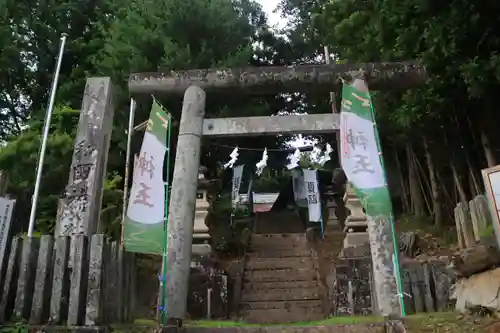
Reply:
x=280, y=282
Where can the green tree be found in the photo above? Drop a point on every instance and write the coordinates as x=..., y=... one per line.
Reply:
x=116, y=38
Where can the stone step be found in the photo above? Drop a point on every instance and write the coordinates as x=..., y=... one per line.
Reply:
x=278, y=240
x=279, y=285
x=276, y=249
x=279, y=275
x=255, y=264
x=281, y=312
x=280, y=316
x=278, y=253
x=291, y=294
x=302, y=304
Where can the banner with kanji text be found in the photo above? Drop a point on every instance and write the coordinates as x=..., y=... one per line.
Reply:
x=144, y=224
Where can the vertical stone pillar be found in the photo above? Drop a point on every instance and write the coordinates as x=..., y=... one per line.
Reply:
x=80, y=209
x=183, y=201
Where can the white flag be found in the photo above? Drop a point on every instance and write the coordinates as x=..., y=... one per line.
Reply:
x=147, y=196
x=360, y=157
x=237, y=174
x=313, y=200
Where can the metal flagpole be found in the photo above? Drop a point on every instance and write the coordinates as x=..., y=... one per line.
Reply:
x=127, y=160
x=165, y=253
x=48, y=117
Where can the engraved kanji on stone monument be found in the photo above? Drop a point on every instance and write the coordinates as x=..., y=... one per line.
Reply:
x=82, y=199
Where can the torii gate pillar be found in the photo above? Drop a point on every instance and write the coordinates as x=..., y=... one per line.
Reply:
x=183, y=201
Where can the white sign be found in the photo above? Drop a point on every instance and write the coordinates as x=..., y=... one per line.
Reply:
x=6, y=209
x=491, y=177
x=147, y=196
x=237, y=174
x=313, y=200
x=360, y=157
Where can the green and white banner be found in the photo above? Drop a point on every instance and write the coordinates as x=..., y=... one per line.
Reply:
x=145, y=220
x=362, y=164
x=360, y=156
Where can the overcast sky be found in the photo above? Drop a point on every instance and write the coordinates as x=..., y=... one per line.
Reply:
x=269, y=6
x=275, y=19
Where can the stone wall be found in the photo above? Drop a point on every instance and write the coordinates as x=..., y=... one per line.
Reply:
x=426, y=286
x=43, y=284
x=205, y=274
x=208, y=290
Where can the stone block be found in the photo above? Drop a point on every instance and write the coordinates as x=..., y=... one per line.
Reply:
x=94, y=306
x=43, y=282
x=78, y=278
x=10, y=282
x=60, y=281
x=26, y=281
x=354, y=239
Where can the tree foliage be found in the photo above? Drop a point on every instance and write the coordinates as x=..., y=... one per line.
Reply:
x=114, y=38
x=442, y=125
x=436, y=137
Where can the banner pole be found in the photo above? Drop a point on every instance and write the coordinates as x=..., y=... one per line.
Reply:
x=126, y=177
x=167, y=186
x=397, y=269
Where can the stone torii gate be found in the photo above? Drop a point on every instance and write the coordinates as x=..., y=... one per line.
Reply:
x=256, y=80
x=78, y=211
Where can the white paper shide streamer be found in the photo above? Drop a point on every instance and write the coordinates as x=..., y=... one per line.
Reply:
x=326, y=156
x=262, y=163
x=233, y=157
x=293, y=159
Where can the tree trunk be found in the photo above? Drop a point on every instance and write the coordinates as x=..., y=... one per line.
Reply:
x=474, y=184
x=437, y=202
x=458, y=183
x=417, y=200
x=488, y=151
x=404, y=192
